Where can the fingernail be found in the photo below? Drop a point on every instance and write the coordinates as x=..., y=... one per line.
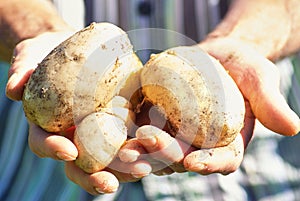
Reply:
x=141, y=170
x=128, y=156
x=65, y=156
x=13, y=81
x=140, y=174
x=197, y=160
x=149, y=141
x=147, y=135
x=199, y=167
x=204, y=154
x=99, y=190
x=106, y=190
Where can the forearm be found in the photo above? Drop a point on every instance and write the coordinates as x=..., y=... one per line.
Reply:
x=21, y=19
x=272, y=27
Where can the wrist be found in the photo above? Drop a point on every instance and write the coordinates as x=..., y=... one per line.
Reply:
x=269, y=44
x=256, y=23
x=20, y=20
x=268, y=50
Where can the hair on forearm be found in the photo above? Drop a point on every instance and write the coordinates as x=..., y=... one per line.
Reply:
x=21, y=20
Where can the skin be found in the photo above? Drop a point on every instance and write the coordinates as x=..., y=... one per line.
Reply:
x=247, y=53
x=45, y=30
x=243, y=44
x=230, y=42
x=37, y=16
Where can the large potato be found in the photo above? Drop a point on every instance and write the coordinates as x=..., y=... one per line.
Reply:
x=80, y=75
x=92, y=81
x=85, y=82
x=196, y=95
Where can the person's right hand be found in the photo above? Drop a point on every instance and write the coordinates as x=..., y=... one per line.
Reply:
x=27, y=55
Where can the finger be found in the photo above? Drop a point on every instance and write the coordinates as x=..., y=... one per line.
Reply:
x=222, y=160
x=27, y=55
x=49, y=145
x=128, y=172
x=22, y=67
x=161, y=169
x=269, y=105
x=99, y=182
x=178, y=167
x=225, y=159
x=131, y=151
x=258, y=80
x=161, y=145
x=134, y=150
x=249, y=123
x=16, y=82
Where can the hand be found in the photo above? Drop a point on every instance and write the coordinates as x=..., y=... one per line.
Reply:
x=258, y=81
x=27, y=54
x=167, y=154
x=61, y=147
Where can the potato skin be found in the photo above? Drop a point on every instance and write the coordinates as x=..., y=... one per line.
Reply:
x=81, y=74
x=100, y=135
x=197, y=96
x=98, y=138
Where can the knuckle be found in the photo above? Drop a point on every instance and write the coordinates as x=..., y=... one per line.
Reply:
x=228, y=171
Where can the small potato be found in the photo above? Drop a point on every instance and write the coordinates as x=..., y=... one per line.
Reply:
x=100, y=135
x=196, y=95
x=98, y=138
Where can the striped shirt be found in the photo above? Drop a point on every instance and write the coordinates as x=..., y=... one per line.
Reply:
x=271, y=167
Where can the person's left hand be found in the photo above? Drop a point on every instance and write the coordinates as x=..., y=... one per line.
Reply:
x=167, y=154
x=258, y=80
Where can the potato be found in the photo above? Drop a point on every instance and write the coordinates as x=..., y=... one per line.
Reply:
x=80, y=75
x=196, y=95
x=100, y=135
x=91, y=80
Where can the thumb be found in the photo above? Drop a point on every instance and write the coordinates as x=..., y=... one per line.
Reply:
x=274, y=113
x=258, y=80
x=261, y=88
